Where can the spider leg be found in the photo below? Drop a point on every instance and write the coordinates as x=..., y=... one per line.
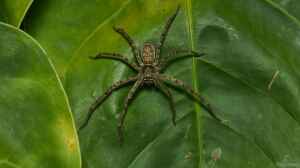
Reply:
x=167, y=28
x=116, y=56
x=196, y=96
x=128, y=99
x=178, y=55
x=168, y=94
x=102, y=98
x=131, y=43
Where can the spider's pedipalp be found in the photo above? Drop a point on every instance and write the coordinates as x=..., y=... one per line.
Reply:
x=127, y=101
x=196, y=96
x=168, y=94
x=131, y=43
x=167, y=28
x=116, y=56
x=102, y=98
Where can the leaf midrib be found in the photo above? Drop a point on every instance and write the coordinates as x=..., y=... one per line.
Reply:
x=189, y=22
x=24, y=13
x=284, y=11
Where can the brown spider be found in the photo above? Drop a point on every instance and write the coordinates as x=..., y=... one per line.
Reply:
x=149, y=66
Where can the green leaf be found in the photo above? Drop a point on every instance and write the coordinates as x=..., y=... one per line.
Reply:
x=291, y=7
x=36, y=127
x=251, y=73
x=62, y=27
x=13, y=11
x=249, y=76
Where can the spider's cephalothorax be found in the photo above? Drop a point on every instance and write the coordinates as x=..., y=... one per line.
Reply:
x=149, y=54
x=149, y=63
x=149, y=67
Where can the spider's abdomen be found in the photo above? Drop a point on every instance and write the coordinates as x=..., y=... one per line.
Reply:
x=148, y=54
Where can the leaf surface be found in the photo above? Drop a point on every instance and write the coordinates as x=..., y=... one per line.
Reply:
x=249, y=75
x=36, y=126
x=13, y=11
x=62, y=27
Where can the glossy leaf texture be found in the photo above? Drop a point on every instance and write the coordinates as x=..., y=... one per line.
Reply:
x=13, y=11
x=249, y=75
x=291, y=7
x=62, y=27
x=36, y=126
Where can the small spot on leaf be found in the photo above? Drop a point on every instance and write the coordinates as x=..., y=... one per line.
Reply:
x=188, y=156
x=216, y=154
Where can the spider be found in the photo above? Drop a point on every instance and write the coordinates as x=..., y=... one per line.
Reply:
x=149, y=67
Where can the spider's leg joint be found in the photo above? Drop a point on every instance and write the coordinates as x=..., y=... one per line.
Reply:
x=168, y=94
x=195, y=95
x=116, y=28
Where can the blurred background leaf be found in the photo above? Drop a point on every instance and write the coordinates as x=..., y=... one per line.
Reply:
x=36, y=126
x=62, y=27
x=13, y=11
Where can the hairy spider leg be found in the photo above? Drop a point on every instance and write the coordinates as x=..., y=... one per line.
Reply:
x=103, y=97
x=178, y=55
x=118, y=57
x=166, y=29
x=131, y=43
x=164, y=89
x=127, y=101
x=178, y=83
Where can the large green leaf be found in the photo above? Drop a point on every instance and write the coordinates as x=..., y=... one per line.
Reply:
x=36, y=127
x=13, y=11
x=62, y=27
x=249, y=76
x=249, y=42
